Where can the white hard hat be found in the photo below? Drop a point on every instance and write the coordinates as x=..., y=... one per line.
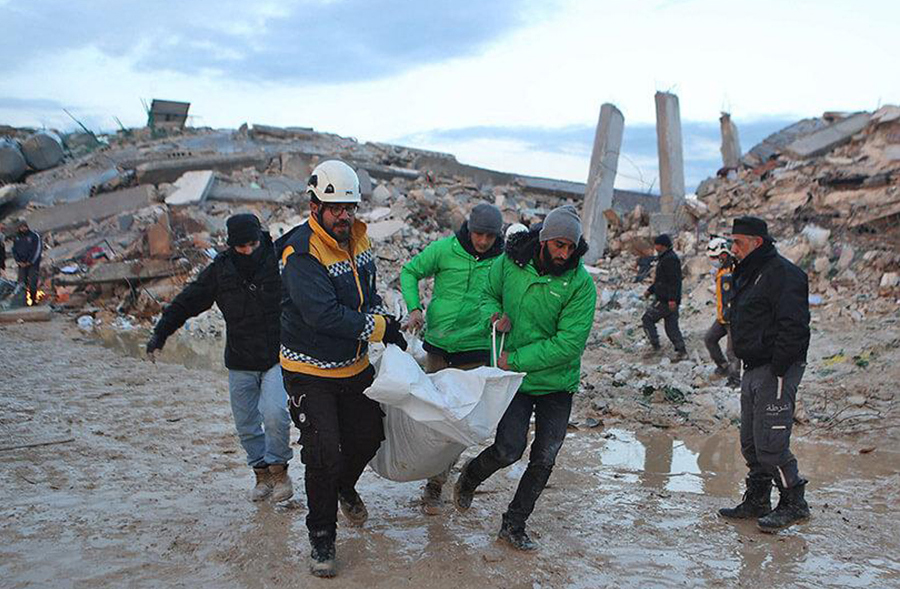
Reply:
x=334, y=181
x=718, y=246
x=515, y=228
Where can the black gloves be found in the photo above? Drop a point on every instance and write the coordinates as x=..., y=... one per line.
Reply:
x=156, y=342
x=392, y=333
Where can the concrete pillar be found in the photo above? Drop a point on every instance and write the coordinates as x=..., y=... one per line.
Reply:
x=671, y=162
x=731, y=143
x=598, y=193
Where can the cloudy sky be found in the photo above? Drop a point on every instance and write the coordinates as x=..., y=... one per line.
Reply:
x=514, y=85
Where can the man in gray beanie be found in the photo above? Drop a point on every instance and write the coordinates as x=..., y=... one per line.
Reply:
x=456, y=334
x=542, y=296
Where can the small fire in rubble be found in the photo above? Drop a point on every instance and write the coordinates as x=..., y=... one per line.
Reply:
x=38, y=297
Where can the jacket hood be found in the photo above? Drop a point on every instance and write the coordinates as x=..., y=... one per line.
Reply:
x=465, y=240
x=523, y=247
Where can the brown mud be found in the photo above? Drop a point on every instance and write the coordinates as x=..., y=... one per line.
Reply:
x=150, y=492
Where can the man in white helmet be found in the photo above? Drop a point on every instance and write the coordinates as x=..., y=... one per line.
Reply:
x=719, y=252
x=330, y=312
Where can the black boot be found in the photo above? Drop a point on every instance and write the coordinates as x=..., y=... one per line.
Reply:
x=792, y=508
x=321, y=559
x=757, y=500
x=353, y=508
x=516, y=536
x=464, y=489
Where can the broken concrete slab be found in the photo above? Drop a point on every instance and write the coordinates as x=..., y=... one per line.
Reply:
x=62, y=190
x=131, y=270
x=192, y=188
x=159, y=238
x=43, y=150
x=832, y=136
x=26, y=314
x=384, y=229
x=731, y=143
x=671, y=154
x=92, y=209
x=601, y=177
x=223, y=191
x=12, y=162
x=264, y=131
x=70, y=250
x=170, y=170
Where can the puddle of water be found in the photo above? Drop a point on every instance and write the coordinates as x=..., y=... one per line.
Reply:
x=192, y=352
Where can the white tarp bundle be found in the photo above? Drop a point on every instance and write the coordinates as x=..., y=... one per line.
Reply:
x=431, y=418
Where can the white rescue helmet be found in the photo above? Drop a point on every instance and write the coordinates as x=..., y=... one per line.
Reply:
x=515, y=228
x=718, y=246
x=334, y=181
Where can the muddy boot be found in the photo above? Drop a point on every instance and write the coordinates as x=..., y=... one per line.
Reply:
x=431, y=498
x=680, y=356
x=792, y=508
x=464, y=489
x=734, y=382
x=322, y=556
x=756, y=502
x=516, y=536
x=721, y=371
x=263, y=487
x=282, y=488
x=353, y=508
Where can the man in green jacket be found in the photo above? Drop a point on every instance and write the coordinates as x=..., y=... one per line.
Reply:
x=457, y=332
x=542, y=296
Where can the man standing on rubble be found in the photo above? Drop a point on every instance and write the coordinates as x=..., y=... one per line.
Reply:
x=666, y=288
x=770, y=330
x=540, y=295
x=457, y=333
x=330, y=312
x=719, y=253
x=244, y=282
x=27, y=250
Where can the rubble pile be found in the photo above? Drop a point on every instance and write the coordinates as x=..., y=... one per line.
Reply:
x=128, y=219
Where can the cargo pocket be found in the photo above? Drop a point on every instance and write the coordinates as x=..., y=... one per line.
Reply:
x=777, y=436
x=310, y=451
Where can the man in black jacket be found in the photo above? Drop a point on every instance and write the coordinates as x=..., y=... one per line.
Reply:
x=245, y=284
x=770, y=332
x=666, y=288
x=27, y=249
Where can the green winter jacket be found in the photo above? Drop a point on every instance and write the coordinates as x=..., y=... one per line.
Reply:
x=551, y=316
x=455, y=319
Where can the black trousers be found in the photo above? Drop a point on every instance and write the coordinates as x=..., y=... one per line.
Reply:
x=658, y=311
x=551, y=418
x=767, y=417
x=29, y=277
x=340, y=431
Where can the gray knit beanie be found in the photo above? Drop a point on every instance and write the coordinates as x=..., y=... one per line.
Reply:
x=562, y=222
x=486, y=218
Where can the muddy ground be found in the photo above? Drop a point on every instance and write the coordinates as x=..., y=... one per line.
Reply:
x=144, y=487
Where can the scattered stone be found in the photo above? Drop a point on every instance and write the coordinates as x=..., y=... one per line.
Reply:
x=192, y=188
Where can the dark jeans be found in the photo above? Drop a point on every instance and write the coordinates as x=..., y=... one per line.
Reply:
x=766, y=420
x=658, y=311
x=715, y=333
x=551, y=418
x=340, y=431
x=29, y=277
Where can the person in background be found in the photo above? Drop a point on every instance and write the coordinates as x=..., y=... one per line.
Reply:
x=727, y=365
x=666, y=289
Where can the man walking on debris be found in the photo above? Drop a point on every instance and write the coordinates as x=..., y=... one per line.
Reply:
x=770, y=329
x=718, y=251
x=330, y=312
x=666, y=288
x=457, y=333
x=541, y=295
x=27, y=250
x=244, y=282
